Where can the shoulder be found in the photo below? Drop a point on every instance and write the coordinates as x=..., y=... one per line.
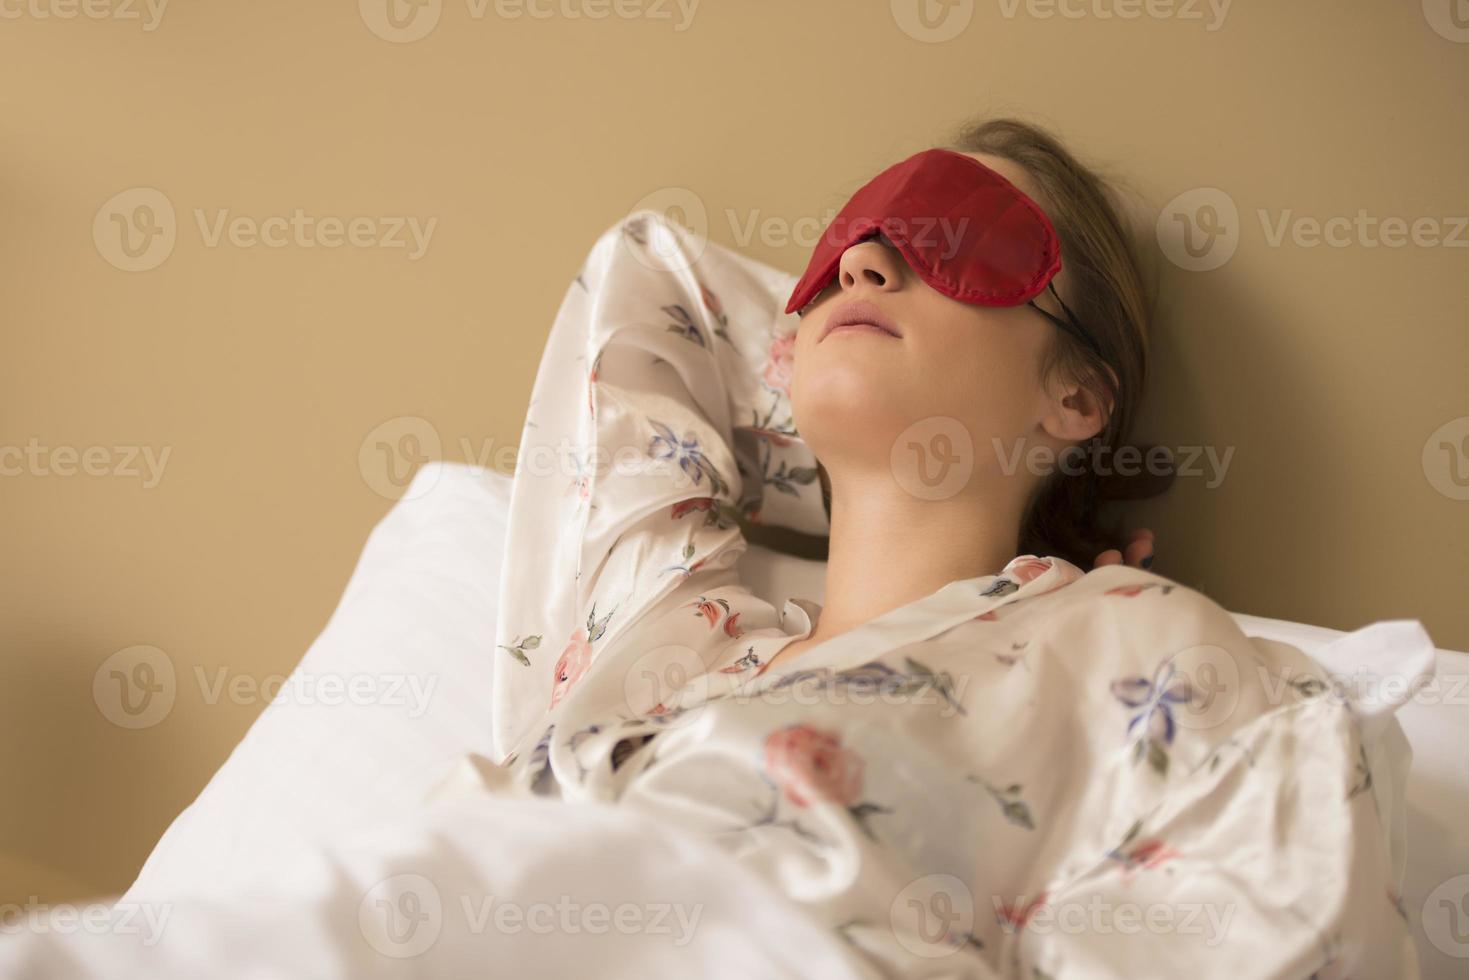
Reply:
x=1127, y=601
x=1145, y=639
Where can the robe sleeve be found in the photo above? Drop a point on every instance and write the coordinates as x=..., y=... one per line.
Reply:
x=659, y=419
x=1261, y=856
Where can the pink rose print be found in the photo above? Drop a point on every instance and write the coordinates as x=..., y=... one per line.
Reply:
x=1132, y=591
x=711, y=302
x=1141, y=855
x=577, y=656
x=581, y=486
x=592, y=387
x=710, y=609
x=731, y=627
x=780, y=363
x=810, y=764
x=572, y=664
x=716, y=513
x=743, y=664
x=693, y=506
x=772, y=436
x=1013, y=918
x=1027, y=567
x=1152, y=853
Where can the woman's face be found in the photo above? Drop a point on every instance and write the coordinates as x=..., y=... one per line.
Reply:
x=940, y=368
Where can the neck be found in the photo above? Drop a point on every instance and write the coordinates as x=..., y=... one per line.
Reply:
x=889, y=548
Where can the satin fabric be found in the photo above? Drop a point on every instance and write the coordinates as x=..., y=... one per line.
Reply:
x=1036, y=773
x=970, y=233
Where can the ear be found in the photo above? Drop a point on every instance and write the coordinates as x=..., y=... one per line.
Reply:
x=1075, y=413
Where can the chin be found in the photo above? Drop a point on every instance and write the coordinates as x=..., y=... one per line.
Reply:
x=850, y=407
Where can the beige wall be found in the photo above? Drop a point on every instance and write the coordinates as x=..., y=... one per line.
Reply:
x=262, y=370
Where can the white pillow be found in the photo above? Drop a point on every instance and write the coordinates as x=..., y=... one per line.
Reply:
x=415, y=631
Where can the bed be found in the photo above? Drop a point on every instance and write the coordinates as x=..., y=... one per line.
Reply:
x=421, y=604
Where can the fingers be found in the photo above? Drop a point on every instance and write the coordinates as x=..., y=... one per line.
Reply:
x=1139, y=550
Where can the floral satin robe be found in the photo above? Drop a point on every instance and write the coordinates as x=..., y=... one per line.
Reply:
x=1040, y=773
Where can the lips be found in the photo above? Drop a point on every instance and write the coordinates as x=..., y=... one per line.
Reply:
x=860, y=314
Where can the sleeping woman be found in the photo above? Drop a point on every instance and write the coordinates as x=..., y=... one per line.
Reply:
x=974, y=759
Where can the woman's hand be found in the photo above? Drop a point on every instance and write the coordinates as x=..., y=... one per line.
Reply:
x=1137, y=552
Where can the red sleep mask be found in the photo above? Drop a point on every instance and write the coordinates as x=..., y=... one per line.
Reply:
x=967, y=231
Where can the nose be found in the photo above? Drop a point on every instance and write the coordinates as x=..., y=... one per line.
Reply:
x=871, y=263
